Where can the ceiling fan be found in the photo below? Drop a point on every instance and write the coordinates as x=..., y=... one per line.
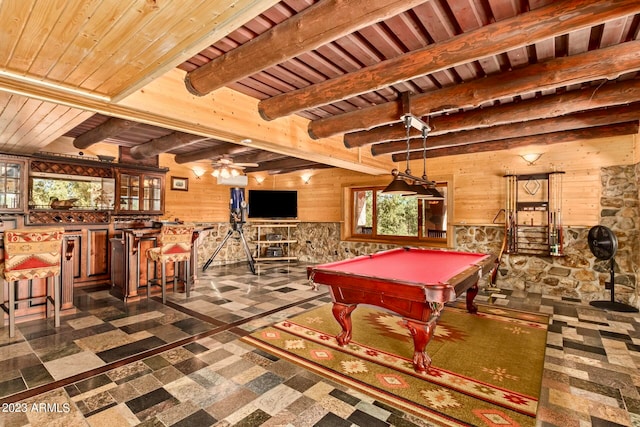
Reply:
x=226, y=167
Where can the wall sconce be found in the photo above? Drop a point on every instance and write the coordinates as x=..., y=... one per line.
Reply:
x=306, y=178
x=259, y=179
x=198, y=172
x=531, y=158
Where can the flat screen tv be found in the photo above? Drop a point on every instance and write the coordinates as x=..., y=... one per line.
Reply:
x=275, y=204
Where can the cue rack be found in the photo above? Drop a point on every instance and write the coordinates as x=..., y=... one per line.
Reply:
x=533, y=214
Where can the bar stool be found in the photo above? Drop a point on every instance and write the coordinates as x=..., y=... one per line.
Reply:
x=32, y=254
x=175, y=246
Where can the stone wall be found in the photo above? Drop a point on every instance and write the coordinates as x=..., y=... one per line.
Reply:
x=317, y=242
x=571, y=275
x=620, y=211
x=232, y=252
x=320, y=243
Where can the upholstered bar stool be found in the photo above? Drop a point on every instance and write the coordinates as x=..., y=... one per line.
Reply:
x=32, y=253
x=175, y=246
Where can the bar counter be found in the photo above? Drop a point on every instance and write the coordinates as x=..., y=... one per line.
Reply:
x=129, y=261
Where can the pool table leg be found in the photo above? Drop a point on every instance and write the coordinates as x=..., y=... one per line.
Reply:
x=342, y=313
x=421, y=333
x=471, y=294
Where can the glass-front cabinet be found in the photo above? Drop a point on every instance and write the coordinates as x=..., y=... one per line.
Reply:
x=140, y=192
x=129, y=192
x=12, y=184
x=152, y=193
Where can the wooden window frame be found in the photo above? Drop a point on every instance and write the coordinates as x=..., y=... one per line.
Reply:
x=349, y=231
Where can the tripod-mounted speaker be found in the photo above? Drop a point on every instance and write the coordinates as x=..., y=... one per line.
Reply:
x=604, y=245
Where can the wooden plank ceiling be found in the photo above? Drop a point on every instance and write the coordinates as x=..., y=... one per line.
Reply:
x=485, y=74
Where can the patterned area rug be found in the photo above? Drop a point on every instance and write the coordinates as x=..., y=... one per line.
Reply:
x=486, y=368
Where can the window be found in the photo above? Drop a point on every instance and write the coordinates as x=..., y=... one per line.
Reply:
x=390, y=216
x=81, y=192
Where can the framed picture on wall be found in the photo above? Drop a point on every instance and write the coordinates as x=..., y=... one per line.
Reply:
x=179, y=183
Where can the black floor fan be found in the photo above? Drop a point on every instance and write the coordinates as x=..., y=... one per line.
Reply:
x=604, y=245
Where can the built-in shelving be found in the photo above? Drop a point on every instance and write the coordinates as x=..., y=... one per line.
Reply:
x=274, y=240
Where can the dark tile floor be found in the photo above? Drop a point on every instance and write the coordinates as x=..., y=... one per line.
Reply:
x=182, y=364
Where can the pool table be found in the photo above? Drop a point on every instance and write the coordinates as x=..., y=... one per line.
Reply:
x=412, y=282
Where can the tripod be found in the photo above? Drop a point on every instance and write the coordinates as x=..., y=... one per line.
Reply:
x=236, y=226
x=236, y=218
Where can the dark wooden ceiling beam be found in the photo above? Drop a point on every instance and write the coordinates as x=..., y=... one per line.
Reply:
x=282, y=164
x=607, y=131
x=543, y=107
x=315, y=26
x=164, y=144
x=607, y=63
x=257, y=157
x=514, y=130
x=209, y=153
x=555, y=19
x=111, y=127
x=300, y=168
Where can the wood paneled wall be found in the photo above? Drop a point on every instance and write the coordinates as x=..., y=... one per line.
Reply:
x=479, y=187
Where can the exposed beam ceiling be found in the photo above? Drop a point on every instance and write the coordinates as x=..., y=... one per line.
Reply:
x=606, y=131
x=310, y=29
x=164, y=144
x=602, y=64
x=532, y=109
x=111, y=127
x=546, y=22
x=582, y=120
x=510, y=70
x=284, y=166
x=210, y=153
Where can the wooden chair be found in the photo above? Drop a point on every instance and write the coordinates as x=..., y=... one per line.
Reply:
x=175, y=246
x=31, y=253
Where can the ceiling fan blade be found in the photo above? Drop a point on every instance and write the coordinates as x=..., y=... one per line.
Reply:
x=247, y=165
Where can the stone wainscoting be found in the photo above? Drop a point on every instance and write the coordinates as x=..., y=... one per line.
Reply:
x=577, y=274
x=316, y=243
x=213, y=235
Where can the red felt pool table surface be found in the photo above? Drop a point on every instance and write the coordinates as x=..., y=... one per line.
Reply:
x=409, y=265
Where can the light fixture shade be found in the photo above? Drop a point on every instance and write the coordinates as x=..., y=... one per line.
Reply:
x=436, y=194
x=234, y=172
x=399, y=186
x=531, y=158
x=224, y=173
x=422, y=192
x=198, y=172
x=215, y=173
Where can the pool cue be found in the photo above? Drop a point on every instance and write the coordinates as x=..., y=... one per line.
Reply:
x=494, y=274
